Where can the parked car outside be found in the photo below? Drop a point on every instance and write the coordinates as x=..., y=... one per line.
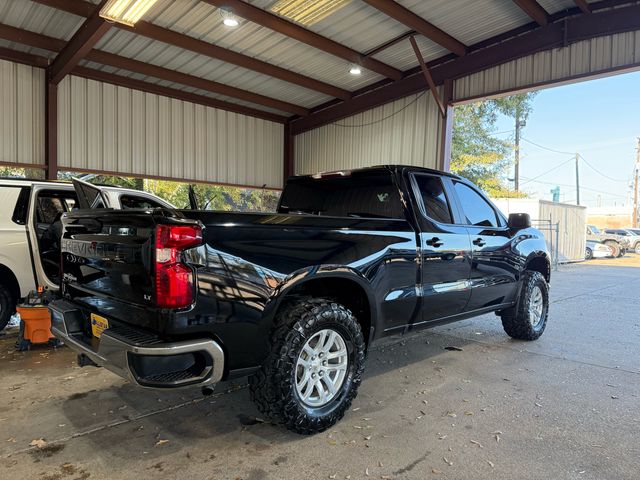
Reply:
x=30, y=227
x=294, y=299
x=618, y=243
x=632, y=237
x=597, y=250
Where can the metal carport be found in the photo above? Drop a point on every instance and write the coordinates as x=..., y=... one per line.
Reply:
x=181, y=96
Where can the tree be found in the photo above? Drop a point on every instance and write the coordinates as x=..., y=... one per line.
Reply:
x=476, y=153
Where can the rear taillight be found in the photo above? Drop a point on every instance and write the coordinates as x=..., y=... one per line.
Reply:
x=174, y=279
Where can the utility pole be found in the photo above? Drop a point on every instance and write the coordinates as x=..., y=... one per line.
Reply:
x=516, y=170
x=635, y=188
x=577, y=180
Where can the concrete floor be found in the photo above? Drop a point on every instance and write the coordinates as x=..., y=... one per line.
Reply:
x=564, y=407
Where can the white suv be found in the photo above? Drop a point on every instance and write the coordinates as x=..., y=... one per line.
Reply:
x=29, y=218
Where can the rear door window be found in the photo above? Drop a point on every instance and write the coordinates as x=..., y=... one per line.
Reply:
x=434, y=200
x=476, y=210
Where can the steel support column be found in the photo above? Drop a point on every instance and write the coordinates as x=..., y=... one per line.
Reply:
x=289, y=160
x=446, y=131
x=51, y=131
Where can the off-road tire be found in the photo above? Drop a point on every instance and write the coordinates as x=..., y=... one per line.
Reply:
x=273, y=387
x=515, y=320
x=615, y=248
x=7, y=306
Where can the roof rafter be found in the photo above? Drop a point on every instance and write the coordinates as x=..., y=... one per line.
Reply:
x=55, y=45
x=486, y=54
x=407, y=17
x=534, y=10
x=23, y=58
x=149, y=30
x=583, y=5
x=292, y=30
x=89, y=33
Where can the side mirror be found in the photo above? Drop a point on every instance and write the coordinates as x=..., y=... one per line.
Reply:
x=518, y=221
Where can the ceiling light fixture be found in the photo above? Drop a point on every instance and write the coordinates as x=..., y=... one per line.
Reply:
x=228, y=18
x=125, y=11
x=355, y=70
x=307, y=12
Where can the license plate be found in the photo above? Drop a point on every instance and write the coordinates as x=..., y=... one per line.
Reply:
x=98, y=324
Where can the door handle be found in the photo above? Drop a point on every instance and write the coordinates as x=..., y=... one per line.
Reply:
x=434, y=242
x=479, y=242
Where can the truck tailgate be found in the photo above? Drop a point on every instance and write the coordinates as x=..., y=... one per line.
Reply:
x=108, y=254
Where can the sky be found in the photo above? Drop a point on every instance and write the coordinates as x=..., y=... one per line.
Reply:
x=600, y=120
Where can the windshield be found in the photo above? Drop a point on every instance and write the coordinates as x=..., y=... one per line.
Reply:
x=359, y=195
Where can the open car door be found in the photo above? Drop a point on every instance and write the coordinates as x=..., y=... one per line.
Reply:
x=89, y=196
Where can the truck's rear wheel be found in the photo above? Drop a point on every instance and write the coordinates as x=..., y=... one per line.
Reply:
x=7, y=306
x=528, y=318
x=315, y=367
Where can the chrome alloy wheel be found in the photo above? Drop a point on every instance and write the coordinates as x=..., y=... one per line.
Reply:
x=536, y=306
x=321, y=368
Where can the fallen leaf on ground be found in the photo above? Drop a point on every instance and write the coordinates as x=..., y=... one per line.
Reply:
x=447, y=461
x=453, y=349
x=491, y=464
x=39, y=442
x=162, y=441
x=477, y=443
x=435, y=471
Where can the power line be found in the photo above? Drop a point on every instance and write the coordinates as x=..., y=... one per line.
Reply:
x=573, y=186
x=547, y=148
x=599, y=172
x=548, y=171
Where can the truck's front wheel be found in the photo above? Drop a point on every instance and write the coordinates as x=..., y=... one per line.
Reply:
x=528, y=318
x=315, y=367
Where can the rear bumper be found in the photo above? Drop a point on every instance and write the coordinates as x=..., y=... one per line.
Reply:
x=138, y=356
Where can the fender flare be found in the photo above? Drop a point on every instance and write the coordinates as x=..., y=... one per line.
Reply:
x=534, y=256
x=308, y=274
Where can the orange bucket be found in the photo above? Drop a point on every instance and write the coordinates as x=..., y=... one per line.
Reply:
x=37, y=323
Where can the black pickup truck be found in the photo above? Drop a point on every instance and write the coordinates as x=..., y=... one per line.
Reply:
x=175, y=298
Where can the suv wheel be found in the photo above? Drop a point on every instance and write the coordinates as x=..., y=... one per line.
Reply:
x=528, y=318
x=315, y=367
x=7, y=306
x=614, y=246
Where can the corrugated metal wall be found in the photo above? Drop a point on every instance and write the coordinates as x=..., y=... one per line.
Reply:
x=22, y=117
x=406, y=131
x=582, y=58
x=116, y=129
x=571, y=220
